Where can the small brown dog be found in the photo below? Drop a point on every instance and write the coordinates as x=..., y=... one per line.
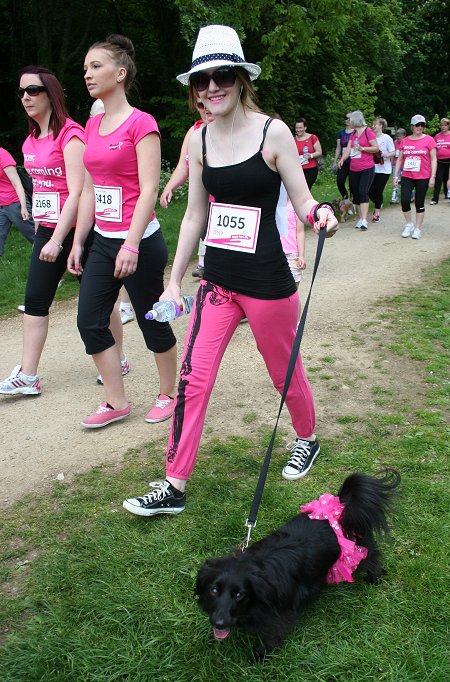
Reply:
x=343, y=206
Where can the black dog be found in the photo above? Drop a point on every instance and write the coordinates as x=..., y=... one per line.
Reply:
x=264, y=588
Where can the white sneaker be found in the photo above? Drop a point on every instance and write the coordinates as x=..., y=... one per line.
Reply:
x=19, y=383
x=409, y=228
x=126, y=315
x=21, y=308
x=416, y=233
x=363, y=225
x=358, y=224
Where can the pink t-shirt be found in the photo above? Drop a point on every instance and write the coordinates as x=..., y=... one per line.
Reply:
x=44, y=161
x=416, y=157
x=112, y=163
x=359, y=160
x=8, y=194
x=289, y=241
x=442, y=146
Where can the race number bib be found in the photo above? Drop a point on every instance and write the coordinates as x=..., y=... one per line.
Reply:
x=46, y=207
x=355, y=153
x=412, y=164
x=108, y=203
x=234, y=228
x=302, y=160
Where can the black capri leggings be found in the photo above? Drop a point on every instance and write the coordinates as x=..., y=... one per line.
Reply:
x=341, y=178
x=420, y=187
x=311, y=176
x=442, y=173
x=360, y=183
x=99, y=290
x=43, y=277
x=377, y=188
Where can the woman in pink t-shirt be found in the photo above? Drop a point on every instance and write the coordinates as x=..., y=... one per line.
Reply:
x=122, y=160
x=361, y=147
x=53, y=157
x=15, y=208
x=443, y=159
x=417, y=159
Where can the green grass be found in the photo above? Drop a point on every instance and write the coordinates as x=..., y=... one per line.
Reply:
x=90, y=593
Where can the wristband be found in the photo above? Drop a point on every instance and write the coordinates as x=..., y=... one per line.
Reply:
x=310, y=217
x=58, y=244
x=125, y=247
x=323, y=204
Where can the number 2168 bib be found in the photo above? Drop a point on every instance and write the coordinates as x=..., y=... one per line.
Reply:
x=233, y=227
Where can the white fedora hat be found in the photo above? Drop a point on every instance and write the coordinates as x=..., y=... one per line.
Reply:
x=218, y=46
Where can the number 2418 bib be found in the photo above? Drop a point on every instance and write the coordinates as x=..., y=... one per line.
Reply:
x=233, y=227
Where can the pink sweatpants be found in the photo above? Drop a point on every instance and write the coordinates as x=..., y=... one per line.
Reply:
x=214, y=318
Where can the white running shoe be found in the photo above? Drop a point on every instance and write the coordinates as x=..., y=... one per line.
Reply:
x=21, y=308
x=358, y=224
x=126, y=315
x=18, y=383
x=409, y=228
x=125, y=370
x=416, y=233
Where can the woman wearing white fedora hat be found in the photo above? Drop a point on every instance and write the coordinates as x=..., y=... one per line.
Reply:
x=240, y=158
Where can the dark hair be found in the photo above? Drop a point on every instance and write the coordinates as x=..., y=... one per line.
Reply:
x=55, y=94
x=248, y=94
x=121, y=51
x=300, y=119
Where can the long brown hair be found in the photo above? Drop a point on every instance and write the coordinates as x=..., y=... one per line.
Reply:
x=248, y=94
x=55, y=94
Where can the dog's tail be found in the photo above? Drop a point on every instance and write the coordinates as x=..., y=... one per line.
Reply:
x=368, y=502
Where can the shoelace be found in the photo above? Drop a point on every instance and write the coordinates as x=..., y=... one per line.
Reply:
x=160, y=492
x=102, y=408
x=162, y=403
x=300, y=450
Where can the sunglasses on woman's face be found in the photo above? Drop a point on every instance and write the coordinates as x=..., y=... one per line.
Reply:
x=31, y=90
x=223, y=78
x=419, y=125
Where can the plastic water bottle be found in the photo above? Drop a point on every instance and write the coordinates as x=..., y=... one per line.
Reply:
x=305, y=150
x=164, y=311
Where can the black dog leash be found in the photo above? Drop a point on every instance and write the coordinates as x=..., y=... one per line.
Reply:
x=251, y=520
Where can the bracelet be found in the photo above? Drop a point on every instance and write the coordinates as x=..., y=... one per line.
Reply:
x=310, y=217
x=57, y=243
x=323, y=204
x=129, y=248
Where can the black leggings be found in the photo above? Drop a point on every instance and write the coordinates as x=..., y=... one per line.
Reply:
x=441, y=178
x=377, y=188
x=311, y=176
x=420, y=187
x=341, y=179
x=43, y=277
x=360, y=183
x=99, y=290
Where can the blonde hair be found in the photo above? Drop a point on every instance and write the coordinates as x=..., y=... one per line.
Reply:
x=445, y=120
x=381, y=121
x=121, y=50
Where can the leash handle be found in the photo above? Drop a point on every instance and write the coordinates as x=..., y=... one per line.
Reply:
x=251, y=520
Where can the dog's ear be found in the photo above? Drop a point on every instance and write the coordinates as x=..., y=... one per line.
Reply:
x=262, y=587
x=207, y=574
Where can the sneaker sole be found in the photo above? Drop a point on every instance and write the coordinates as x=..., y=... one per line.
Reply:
x=156, y=421
x=110, y=421
x=138, y=511
x=295, y=477
x=21, y=391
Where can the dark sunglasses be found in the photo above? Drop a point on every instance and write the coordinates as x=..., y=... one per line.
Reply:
x=31, y=90
x=223, y=78
x=419, y=125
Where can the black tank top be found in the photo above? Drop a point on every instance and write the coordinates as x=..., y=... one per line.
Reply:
x=265, y=273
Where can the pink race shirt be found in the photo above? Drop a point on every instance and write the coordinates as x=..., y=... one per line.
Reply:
x=442, y=146
x=416, y=157
x=44, y=161
x=112, y=163
x=359, y=161
x=8, y=194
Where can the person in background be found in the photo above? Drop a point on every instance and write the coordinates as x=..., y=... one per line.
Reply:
x=240, y=158
x=294, y=247
x=53, y=157
x=123, y=161
x=417, y=159
x=309, y=150
x=361, y=147
x=15, y=208
x=399, y=136
x=383, y=165
x=342, y=172
x=443, y=160
x=181, y=174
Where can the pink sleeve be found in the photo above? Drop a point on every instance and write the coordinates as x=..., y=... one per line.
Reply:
x=142, y=126
x=370, y=134
x=6, y=159
x=69, y=131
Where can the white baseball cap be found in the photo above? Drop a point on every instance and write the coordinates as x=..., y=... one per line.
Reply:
x=418, y=118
